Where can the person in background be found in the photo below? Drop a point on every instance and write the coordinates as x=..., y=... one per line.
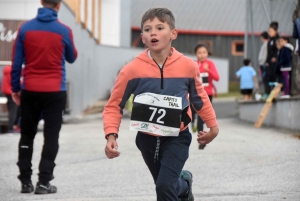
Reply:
x=271, y=63
x=296, y=34
x=284, y=63
x=208, y=74
x=44, y=43
x=248, y=80
x=262, y=58
x=11, y=105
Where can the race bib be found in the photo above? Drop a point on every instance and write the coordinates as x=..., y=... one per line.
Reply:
x=156, y=114
x=204, y=79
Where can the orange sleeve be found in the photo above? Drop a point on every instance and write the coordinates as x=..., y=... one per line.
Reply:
x=113, y=110
x=200, y=101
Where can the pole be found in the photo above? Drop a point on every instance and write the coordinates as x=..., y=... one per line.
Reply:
x=246, y=30
x=266, y=12
x=253, y=58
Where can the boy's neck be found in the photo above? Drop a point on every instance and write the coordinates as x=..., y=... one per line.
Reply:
x=160, y=57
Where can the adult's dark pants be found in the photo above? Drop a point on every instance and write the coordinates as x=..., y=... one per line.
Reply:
x=51, y=104
x=12, y=111
x=166, y=169
x=200, y=122
x=18, y=115
x=270, y=76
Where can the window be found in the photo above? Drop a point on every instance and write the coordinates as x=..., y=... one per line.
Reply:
x=237, y=48
x=208, y=44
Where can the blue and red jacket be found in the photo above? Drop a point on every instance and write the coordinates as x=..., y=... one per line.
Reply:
x=43, y=44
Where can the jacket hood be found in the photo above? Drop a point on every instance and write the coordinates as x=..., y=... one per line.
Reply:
x=290, y=46
x=46, y=14
x=7, y=70
x=175, y=56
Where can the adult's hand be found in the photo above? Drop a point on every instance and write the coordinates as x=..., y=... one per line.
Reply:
x=111, y=149
x=205, y=137
x=16, y=96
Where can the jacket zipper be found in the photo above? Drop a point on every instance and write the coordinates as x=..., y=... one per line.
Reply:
x=161, y=73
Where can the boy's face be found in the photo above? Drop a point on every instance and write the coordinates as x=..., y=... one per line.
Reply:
x=278, y=44
x=157, y=35
x=282, y=42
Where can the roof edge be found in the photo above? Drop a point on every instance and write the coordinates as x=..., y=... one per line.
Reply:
x=204, y=32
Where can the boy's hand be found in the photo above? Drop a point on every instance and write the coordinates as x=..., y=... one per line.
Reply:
x=273, y=59
x=111, y=149
x=205, y=137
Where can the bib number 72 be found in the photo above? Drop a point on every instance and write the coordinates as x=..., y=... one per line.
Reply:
x=160, y=111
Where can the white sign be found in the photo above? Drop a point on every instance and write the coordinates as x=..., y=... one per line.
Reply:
x=9, y=36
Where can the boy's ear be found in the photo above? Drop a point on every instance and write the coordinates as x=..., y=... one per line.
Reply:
x=142, y=38
x=174, y=34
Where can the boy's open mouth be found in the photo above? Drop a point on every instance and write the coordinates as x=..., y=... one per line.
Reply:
x=154, y=40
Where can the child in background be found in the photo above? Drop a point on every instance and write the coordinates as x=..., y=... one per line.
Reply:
x=248, y=79
x=262, y=58
x=208, y=73
x=284, y=63
x=11, y=106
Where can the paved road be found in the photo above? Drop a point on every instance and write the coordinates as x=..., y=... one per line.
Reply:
x=243, y=164
x=226, y=108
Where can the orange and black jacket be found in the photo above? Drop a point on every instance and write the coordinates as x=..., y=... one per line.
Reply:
x=179, y=77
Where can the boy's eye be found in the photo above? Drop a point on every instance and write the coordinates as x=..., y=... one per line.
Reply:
x=160, y=28
x=146, y=30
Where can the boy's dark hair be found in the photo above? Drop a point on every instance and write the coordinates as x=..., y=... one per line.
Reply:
x=247, y=62
x=53, y=3
x=264, y=35
x=274, y=25
x=163, y=14
x=199, y=46
x=284, y=38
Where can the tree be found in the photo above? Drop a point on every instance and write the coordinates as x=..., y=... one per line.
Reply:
x=295, y=88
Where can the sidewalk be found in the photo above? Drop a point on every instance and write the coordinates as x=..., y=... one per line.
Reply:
x=243, y=163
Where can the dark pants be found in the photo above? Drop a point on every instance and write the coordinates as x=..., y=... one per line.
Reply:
x=51, y=104
x=12, y=111
x=263, y=75
x=286, y=82
x=17, y=119
x=200, y=122
x=270, y=76
x=173, y=152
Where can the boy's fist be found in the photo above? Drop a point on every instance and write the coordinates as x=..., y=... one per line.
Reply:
x=205, y=137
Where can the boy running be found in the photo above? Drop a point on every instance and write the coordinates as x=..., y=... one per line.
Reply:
x=161, y=79
x=248, y=78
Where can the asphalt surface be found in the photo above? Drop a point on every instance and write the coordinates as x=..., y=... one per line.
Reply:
x=242, y=163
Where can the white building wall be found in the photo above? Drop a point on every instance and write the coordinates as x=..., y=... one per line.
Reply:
x=110, y=20
x=18, y=9
x=115, y=18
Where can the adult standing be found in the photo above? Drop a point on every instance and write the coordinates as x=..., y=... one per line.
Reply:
x=271, y=63
x=44, y=43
